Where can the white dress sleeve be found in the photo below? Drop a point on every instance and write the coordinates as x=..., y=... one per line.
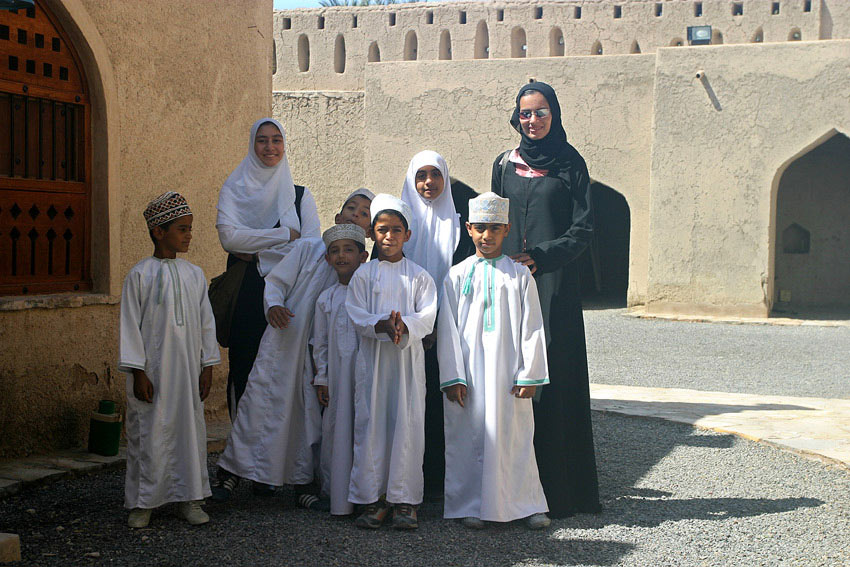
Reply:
x=132, y=347
x=251, y=240
x=449, y=350
x=533, y=369
x=320, y=341
x=421, y=322
x=210, y=354
x=357, y=305
x=282, y=278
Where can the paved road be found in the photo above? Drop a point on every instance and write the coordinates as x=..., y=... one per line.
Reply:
x=672, y=496
x=806, y=361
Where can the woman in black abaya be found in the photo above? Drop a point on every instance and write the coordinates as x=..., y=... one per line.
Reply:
x=548, y=185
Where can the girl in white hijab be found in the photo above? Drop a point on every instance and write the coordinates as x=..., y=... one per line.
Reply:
x=256, y=206
x=257, y=222
x=428, y=191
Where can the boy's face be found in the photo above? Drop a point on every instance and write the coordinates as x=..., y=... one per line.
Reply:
x=344, y=257
x=356, y=211
x=389, y=236
x=176, y=237
x=488, y=238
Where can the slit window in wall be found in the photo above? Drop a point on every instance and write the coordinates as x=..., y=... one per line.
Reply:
x=556, y=42
x=519, y=47
x=391, y=18
x=320, y=22
x=737, y=8
x=274, y=57
x=13, y=63
x=39, y=40
x=795, y=35
x=30, y=66
x=429, y=17
x=758, y=36
x=774, y=9
x=635, y=47
x=47, y=70
x=482, y=41
x=807, y=6
x=659, y=9
x=303, y=53
x=697, y=9
x=354, y=21
x=445, y=45
x=618, y=12
x=411, y=46
x=462, y=16
x=286, y=23
x=538, y=13
x=22, y=36
x=596, y=49
x=56, y=45
x=500, y=15
x=577, y=12
x=374, y=55
x=4, y=32
x=339, y=54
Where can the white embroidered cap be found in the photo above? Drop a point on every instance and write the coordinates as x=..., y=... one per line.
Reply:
x=489, y=208
x=344, y=232
x=165, y=208
x=363, y=192
x=384, y=201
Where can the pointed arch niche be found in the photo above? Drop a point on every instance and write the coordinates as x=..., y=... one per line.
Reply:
x=810, y=232
x=604, y=265
x=482, y=41
x=519, y=46
x=374, y=55
x=556, y=42
x=54, y=197
x=445, y=45
x=411, y=46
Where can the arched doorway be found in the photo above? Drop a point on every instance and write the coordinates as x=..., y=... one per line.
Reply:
x=811, y=268
x=45, y=157
x=604, y=266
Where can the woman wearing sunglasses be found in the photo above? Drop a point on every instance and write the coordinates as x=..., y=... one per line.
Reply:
x=548, y=185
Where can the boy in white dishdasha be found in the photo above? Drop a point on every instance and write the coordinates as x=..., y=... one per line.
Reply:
x=168, y=349
x=393, y=304
x=492, y=353
x=335, y=343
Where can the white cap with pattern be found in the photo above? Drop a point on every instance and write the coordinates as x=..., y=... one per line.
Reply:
x=489, y=208
x=385, y=201
x=344, y=232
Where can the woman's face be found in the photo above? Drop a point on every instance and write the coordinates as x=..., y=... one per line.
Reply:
x=268, y=145
x=429, y=182
x=531, y=106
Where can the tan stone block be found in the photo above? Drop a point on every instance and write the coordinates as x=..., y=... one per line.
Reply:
x=10, y=548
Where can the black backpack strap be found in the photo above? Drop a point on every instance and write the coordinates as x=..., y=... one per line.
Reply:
x=503, y=165
x=299, y=194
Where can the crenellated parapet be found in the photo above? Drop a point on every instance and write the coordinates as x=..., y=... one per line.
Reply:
x=328, y=48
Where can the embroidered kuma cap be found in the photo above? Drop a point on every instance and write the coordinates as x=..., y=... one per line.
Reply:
x=363, y=192
x=344, y=232
x=166, y=208
x=384, y=201
x=489, y=208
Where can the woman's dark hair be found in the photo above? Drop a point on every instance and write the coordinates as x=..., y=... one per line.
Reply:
x=527, y=92
x=390, y=212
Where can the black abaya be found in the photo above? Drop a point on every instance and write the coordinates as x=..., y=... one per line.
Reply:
x=552, y=221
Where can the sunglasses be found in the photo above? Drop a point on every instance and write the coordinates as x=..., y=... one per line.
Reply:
x=539, y=113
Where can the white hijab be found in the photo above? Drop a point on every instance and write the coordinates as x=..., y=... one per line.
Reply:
x=437, y=226
x=256, y=196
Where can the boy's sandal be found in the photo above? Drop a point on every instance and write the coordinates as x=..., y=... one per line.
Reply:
x=313, y=502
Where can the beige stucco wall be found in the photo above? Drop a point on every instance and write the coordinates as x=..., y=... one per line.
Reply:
x=325, y=134
x=716, y=169
x=178, y=88
x=638, y=27
x=461, y=110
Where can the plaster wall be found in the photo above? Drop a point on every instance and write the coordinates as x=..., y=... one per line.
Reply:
x=583, y=28
x=719, y=150
x=461, y=110
x=325, y=133
x=178, y=87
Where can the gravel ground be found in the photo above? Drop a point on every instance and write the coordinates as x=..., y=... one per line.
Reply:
x=672, y=496
x=776, y=360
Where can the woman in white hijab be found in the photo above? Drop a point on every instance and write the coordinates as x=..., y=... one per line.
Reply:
x=438, y=241
x=260, y=213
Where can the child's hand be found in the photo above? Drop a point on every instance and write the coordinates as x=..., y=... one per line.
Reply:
x=456, y=393
x=400, y=327
x=142, y=386
x=429, y=340
x=279, y=316
x=322, y=394
x=205, y=382
x=523, y=391
x=388, y=326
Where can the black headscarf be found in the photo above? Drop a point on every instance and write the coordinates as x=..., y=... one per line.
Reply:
x=553, y=151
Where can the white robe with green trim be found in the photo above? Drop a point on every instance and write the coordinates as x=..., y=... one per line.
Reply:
x=167, y=330
x=389, y=387
x=490, y=337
